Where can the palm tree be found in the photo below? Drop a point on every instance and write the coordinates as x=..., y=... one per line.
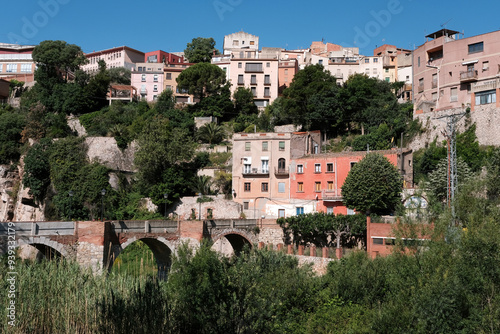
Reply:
x=211, y=133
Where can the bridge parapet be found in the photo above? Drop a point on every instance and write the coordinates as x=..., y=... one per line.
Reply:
x=223, y=224
x=145, y=226
x=26, y=229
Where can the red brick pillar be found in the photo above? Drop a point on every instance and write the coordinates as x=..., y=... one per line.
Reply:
x=290, y=249
x=301, y=249
x=312, y=251
x=368, y=236
x=261, y=245
x=280, y=247
x=338, y=253
x=325, y=252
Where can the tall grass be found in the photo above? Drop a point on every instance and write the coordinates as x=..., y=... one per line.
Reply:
x=61, y=297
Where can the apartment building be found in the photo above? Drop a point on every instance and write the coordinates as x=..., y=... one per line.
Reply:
x=122, y=56
x=261, y=174
x=148, y=80
x=453, y=75
x=316, y=180
x=240, y=41
x=16, y=62
x=397, y=66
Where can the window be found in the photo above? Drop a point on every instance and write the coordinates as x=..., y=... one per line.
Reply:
x=320, y=62
x=434, y=96
x=155, y=97
x=281, y=187
x=329, y=167
x=252, y=42
x=387, y=79
x=268, y=64
x=367, y=60
x=253, y=67
x=418, y=62
x=247, y=146
x=247, y=168
x=267, y=79
x=265, y=165
x=378, y=241
x=367, y=71
x=300, y=169
x=476, y=47
x=300, y=187
x=143, y=77
x=352, y=163
x=155, y=88
x=350, y=212
x=281, y=164
x=486, y=66
x=155, y=78
x=317, y=186
x=453, y=94
x=245, y=205
x=434, y=80
x=281, y=145
x=281, y=213
x=236, y=42
x=389, y=241
x=486, y=97
x=374, y=71
x=317, y=168
x=329, y=210
x=267, y=92
x=329, y=185
x=169, y=76
x=253, y=79
x=375, y=60
x=265, y=146
x=26, y=68
x=254, y=91
x=264, y=187
x=11, y=68
x=299, y=210
x=386, y=70
x=247, y=186
x=240, y=79
x=239, y=65
x=1, y=67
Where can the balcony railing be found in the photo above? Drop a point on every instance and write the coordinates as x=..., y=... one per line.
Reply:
x=255, y=171
x=332, y=195
x=468, y=75
x=284, y=171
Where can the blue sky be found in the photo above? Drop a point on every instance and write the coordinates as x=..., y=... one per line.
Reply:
x=170, y=25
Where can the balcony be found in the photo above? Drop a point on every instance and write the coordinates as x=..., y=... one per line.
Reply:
x=281, y=171
x=254, y=171
x=332, y=195
x=466, y=76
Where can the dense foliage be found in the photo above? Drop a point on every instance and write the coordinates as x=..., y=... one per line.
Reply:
x=373, y=185
x=200, y=50
x=321, y=229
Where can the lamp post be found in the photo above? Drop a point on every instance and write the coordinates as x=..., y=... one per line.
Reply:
x=103, y=192
x=70, y=194
x=165, y=195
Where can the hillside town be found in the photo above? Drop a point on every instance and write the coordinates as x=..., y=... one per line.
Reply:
x=321, y=153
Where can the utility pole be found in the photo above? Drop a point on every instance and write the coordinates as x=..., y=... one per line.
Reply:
x=452, y=179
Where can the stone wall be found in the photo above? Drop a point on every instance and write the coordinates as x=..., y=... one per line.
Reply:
x=319, y=264
x=106, y=151
x=271, y=233
x=221, y=208
x=486, y=118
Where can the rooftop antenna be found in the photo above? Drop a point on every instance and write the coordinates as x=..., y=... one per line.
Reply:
x=444, y=24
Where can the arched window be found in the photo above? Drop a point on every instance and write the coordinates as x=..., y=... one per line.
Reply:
x=281, y=164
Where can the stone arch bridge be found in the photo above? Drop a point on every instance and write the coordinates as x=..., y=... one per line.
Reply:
x=97, y=244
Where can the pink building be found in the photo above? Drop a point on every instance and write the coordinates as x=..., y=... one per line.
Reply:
x=450, y=72
x=316, y=180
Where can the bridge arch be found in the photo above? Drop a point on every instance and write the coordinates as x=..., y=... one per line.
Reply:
x=236, y=239
x=49, y=248
x=161, y=248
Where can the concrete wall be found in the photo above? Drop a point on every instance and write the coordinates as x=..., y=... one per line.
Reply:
x=221, y=208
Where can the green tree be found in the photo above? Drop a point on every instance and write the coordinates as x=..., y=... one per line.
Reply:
x=37, y=169
x=161, y=147
x=373, y=185
x=200, y=50
x=119, y=75
x=179, y=118
x=311, y=100
x=11, y=126
x=202, y=80
x=438, y=179
x=211, y=133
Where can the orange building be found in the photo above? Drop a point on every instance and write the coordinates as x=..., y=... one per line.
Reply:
x=319, y=178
